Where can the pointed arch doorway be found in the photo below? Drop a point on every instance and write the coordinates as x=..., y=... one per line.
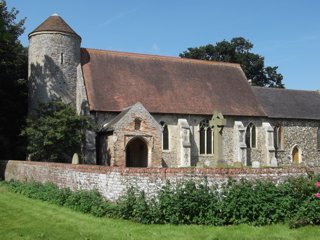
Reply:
x=296, y=155
x=137, y=153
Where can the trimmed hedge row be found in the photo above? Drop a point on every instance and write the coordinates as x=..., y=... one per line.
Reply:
x=256, y=203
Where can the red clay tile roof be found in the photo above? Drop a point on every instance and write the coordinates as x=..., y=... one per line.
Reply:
x=286, y=103
x=116, y=80
x=54, y=23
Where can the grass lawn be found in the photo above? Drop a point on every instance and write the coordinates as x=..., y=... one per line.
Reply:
x=23, y=218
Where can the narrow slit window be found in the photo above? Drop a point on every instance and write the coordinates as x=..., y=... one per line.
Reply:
x=165, y=136
x=253, y=136
x=61, y=58
x=278, y=137
x=209, y=140
x=275, y=137
x=202, y=140
x=248, y=137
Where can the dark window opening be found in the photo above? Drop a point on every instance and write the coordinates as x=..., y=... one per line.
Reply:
x=137, y=124
x=251, y=136
x=165, y=136
x=137, y=153
x=248, y=137
x=209, y=141
x=205, y=141
x=202, y=141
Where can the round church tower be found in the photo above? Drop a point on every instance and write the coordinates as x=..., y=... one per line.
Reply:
x=54, y=54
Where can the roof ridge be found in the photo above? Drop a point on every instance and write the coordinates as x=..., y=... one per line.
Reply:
x=160, y=57
x=286, y=89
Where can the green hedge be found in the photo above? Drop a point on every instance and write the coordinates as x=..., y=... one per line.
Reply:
x=256, y=203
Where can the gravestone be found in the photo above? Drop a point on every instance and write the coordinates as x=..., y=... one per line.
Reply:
x=75, y=159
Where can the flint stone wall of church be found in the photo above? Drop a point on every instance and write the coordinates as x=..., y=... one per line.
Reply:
x=300, y=133
x=113, y=182
x=170, y=156
x=48, y=76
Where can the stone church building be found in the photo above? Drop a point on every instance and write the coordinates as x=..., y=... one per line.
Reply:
x=155, y=111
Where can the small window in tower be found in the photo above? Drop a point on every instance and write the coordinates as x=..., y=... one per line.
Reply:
x=61, y=59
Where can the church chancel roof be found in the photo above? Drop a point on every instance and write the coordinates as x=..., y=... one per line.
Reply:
x=116, y=80
x=286, y=103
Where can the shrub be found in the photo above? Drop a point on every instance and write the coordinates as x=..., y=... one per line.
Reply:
x=86, y=202
x=83, y=201
x=189, y=203
x=308, y=213
x=257, y=203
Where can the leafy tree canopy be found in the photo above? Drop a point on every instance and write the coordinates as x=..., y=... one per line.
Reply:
x=238, y=50
x=13, y=83
x=56, y=133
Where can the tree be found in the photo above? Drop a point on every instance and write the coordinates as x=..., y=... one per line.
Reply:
x=55, y=133
x=238, y=51
x=13, y=84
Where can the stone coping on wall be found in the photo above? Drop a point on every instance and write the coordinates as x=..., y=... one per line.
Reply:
x=165, y=171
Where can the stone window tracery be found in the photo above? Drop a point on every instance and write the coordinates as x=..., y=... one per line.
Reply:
x=206, y=137
x=251, y=136
x=278, y=137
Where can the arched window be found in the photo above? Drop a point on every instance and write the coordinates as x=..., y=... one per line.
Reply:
x=251, y=136
x=278, y=137
x=165, y=136
x=206, y=138
x=296, y=155
x=209, y=140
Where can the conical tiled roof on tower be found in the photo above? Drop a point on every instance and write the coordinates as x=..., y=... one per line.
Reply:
x=56, y=24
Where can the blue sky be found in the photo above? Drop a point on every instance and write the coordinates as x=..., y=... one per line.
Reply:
x=285, y=32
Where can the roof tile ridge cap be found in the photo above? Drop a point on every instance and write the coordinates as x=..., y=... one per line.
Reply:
x=160, y=57
x=287, y=89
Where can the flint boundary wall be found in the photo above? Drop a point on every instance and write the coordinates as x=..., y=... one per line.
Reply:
x=113, y=182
